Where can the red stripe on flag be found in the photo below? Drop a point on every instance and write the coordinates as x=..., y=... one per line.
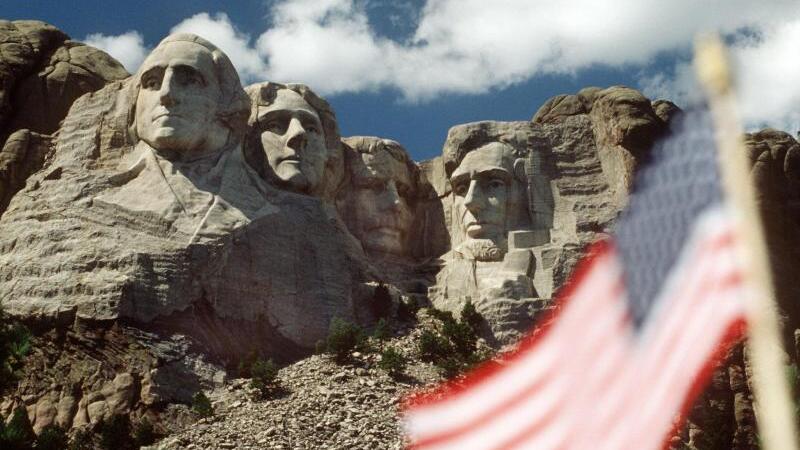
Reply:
x=610, y=401
x=488, y=369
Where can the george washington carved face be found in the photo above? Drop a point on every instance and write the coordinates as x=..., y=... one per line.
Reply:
x=188, y=98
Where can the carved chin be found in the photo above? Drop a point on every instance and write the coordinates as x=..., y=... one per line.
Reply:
x=483, y=250
x=292, y=177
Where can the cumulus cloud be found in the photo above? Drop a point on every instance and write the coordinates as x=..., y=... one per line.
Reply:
x=219, y=30
x=127, y=48
x=768, y=78
x=474, y=46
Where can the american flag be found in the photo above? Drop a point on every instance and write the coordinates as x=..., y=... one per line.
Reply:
x=636, y=332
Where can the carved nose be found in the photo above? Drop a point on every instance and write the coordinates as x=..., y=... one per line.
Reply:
x=472, y=198
x=392, y=196
x=166, y=92
x=297, y=135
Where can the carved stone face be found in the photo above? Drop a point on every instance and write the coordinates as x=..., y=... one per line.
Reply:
x=485, y=193
x=176, y=105
x=381, y=214
x=293, y=141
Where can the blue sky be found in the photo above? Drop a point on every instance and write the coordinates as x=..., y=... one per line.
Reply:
x=409, y=70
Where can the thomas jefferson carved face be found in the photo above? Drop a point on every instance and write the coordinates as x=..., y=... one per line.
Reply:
x=380, y=214
x=176, y=106
x=486, y=194
x=293, y=140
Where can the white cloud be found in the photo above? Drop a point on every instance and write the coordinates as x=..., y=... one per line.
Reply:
x=473, y=46
x=219, y=30
x=127, y=48
x=768, y=78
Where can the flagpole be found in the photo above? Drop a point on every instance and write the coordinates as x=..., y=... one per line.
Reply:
x=774, y=409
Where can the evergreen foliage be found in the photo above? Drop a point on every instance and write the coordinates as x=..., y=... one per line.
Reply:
x=343, y=339
x=115, y=434
x=264, y=375
x=15, y=343
x=392, y=361
x=452, y=345
x=52, y=437
x=201, y=405
x=17, y=434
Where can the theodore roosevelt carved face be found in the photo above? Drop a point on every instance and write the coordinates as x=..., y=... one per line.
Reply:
x=377, y=204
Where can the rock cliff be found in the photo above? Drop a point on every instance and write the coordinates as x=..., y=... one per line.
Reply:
x=147, y=275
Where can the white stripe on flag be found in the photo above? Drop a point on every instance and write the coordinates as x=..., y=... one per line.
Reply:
x=586, y=384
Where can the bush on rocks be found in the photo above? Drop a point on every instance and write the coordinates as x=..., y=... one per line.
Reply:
x=15, y=343
x=392, y=361
x=115, y=434
x=452, y=345
x=52, y=437
x=144, y=433
x=17, y=434
x=264, y=375
x=343, y=339
x=82, y=440
x=201, y=405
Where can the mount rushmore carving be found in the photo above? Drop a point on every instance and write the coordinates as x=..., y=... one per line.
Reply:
x=177, y=195
x=179, y=212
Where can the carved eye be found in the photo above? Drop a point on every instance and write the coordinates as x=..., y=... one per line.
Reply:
x=403, y=191
x=187, y=76
x=497, y=183
x=311, y=127
x=461, y=189
x=151, y=82
x=275, y=126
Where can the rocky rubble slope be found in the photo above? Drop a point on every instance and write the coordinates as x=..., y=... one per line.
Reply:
x=325, y=406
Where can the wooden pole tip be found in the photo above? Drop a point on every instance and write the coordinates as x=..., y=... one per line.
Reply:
x=711, y=64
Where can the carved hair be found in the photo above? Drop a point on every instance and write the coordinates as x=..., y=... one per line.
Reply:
x=372, y=145
x=264, y=94
x=233, y=104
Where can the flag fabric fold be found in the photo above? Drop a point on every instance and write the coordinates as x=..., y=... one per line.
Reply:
x=635, y=333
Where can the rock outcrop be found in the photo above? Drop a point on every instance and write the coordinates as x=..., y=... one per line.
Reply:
x=42, y=72
x=580, y=153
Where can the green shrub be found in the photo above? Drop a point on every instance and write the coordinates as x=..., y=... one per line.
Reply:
x=82, y=440
x=442, y=316
x=343, y=338
x=392, y=361
x=433, y=347
x=52, y=437
x=452, y=345
x=201, y=405
x=144, y=433
x=264, y=374
x=461, y=336
x=243, y=370
x=17, y=434
x=115, y=434
x=15, y=344
x=450, y=366
x=471, y=316
x=382, y=331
